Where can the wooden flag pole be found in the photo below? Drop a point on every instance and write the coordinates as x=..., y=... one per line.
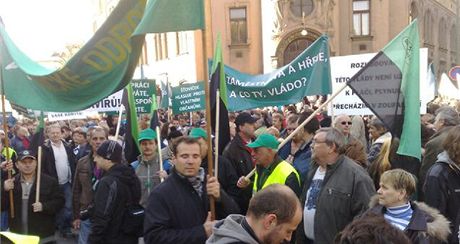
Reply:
x=303, y=124
x=38, y=174
x=207, y=17
x=216, y=136
x=7, y=144
x=117, y=131
x=159, y=150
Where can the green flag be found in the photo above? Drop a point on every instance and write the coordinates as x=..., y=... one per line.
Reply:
x=172, y=15
x=105, y=64
x=389, y=85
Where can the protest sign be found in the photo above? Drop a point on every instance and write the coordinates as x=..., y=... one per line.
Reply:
x=188, y=98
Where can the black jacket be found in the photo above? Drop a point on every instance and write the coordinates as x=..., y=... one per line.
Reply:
x=241, y=160
x=442, y=191
x=345, y=193
x=49, y=162
x=110, y=202
x=176, y=213
x=39, y=223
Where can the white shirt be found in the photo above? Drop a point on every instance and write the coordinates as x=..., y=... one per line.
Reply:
x=309, y=210
x=62, y=163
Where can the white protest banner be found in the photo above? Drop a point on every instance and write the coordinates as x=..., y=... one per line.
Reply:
x=108, y=104
x=344, y=67
x=69, y=115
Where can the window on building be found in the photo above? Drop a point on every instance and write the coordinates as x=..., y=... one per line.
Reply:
x=361, y=20
x=161, y=46
x=238, y=25
x=427, y=27
x=453, y=39
x=181, y=43
x=442, y=35
x=413, y=12
x=295, y=48
x=301, y=6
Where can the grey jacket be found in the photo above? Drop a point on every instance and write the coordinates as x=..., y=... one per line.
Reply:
x=344, y=194
x=146, y=171
x=230, y=230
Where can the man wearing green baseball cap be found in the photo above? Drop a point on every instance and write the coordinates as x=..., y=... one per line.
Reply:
x=146, y=166
x=270, y=168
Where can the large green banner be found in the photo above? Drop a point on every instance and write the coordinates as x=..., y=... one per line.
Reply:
x=104, y=65
x=188, y=98
x=308, y=74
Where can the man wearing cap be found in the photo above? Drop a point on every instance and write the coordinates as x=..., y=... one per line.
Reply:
x=271, y=169
x=118, y=188
x=146, y=166
x=240, y=155
x=31, y=216
x=226, y=173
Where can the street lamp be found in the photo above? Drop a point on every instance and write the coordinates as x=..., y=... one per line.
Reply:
x=304, y=31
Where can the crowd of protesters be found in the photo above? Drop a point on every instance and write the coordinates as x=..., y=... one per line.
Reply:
x=337, y=180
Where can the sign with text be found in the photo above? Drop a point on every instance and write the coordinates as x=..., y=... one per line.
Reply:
x=188, y=98
x=143, y=90
x=70, y=115
x=108, y=104
x=345, y=67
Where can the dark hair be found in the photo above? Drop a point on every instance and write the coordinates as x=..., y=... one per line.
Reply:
x=183, y=140
x=274, y=199
x=371, y=228
x=312, y=126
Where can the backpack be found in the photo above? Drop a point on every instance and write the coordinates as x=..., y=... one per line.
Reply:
x=133, y=217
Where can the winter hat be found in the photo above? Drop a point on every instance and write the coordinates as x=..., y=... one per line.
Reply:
x=110, y=150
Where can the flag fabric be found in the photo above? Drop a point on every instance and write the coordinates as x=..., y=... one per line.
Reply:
x=447, y=89
x=389, y=86
x=218, y=83
x=104, y=65
x=171, y=16
x=131, y=148
x=154, y=121
x=165, y=95
x=39, y=136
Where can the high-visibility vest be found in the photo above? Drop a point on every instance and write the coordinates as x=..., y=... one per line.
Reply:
x=278, y=176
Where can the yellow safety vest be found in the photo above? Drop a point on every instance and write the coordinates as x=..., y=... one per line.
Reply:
x=278, y=176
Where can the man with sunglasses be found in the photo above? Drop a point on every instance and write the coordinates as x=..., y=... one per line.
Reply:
x=353, y=148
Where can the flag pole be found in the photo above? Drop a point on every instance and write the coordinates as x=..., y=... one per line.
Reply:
x=39, y=169
x=303, y=124
x=117, y=131
x=207, y=17
x=216, y=138
x=159, y=150
x=7, y=145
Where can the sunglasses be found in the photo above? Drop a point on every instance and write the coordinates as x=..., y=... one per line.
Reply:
x=345, y=122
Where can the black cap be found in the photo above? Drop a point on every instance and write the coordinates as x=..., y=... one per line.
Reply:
x=26, y=154
x=110, y=150
x=243, y=118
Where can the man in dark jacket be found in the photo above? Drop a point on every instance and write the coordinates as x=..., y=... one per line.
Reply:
x=442, y=184
x=336, y=190
x=32, y=217
x=177, y=210
x=59, y=162
x=118, y=188
x=240, y=155
x=446, y=118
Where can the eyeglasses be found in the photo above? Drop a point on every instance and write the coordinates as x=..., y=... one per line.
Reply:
x=346, y=122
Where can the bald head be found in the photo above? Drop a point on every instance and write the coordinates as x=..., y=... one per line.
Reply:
x=274, y=199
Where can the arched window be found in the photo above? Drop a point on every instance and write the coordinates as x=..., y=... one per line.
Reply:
x=294, y=49
x=427, y=27
x=442, y=35
x=301, y=6
x=453, y=38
